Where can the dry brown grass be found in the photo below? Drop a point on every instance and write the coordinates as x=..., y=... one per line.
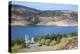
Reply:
x=67, y=43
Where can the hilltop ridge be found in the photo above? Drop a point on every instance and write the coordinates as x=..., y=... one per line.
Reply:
x=21, y=15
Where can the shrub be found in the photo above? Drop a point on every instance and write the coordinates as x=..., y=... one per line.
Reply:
x=57, y=42
x=42, y=42
x=18, y=42
x=40, y=45
x=13, y=50
x=52, y=43
x=37, y=38
x=24, y=45
x=74, y=34
x=47, y=42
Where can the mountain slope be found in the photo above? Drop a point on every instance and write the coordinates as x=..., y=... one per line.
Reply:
x=21, y=15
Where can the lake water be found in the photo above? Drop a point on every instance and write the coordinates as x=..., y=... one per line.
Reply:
x=20, y=31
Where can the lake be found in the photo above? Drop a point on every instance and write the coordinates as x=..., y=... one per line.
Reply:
x=31, y=31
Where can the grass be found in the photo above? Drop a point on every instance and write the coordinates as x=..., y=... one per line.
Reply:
x=57, y=41
x=15, y=48
x=67, y=43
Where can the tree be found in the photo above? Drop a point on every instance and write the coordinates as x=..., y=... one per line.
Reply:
x=42, y=42
x=74, y=34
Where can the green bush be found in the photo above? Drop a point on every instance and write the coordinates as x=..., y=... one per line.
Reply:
x=57, y=42
x=18, y=42
x=74, y=34
x=37, y=38
x=14, y=50
x=52, y=43
x=47, y=42
x=42, y=42
x=24, y=45
x=40, y=45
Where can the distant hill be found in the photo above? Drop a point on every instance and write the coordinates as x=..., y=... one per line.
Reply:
x=21, y=15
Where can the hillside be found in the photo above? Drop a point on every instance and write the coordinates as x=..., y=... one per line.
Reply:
x=21, y=15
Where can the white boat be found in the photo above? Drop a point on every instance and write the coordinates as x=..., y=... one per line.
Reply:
x=31, y=42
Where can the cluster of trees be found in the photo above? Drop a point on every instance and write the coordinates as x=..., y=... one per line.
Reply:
x=53, y=39
x=18, y=42
x=44, y=40
x=48, y=40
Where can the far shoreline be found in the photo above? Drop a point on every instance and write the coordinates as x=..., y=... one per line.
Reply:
x=46, y=25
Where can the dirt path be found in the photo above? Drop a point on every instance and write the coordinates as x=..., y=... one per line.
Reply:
x=42, y=48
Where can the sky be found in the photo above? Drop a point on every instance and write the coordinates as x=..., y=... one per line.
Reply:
x=46, y=6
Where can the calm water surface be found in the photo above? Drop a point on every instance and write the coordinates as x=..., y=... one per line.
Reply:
x=20, y=31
